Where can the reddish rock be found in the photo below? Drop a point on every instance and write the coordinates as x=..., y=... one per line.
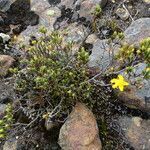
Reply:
x=136, y=131
x=80, y=131
x=5, y=63
x=133, y=100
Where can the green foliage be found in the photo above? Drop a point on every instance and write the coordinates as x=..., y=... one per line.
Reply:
x=117, y=35
x=43, y=30
x=115, y=31
x=128, y=54
x=144, y=53
x=144, y=50
x=6, y=121
x=97, y=11
x=54, y=76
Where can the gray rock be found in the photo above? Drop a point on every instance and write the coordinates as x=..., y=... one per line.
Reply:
x=122, y=13
x=1, y=21
x=86, y=6
x=72, y=3
x=74, y=33
x=137, y=31
x=101, y=56
x=136, y=131
x=47, y=18
x=5, y=4
x=11, y=145
x=68, y=3
x=144, y=90
x=2, y=110
x=6, y=91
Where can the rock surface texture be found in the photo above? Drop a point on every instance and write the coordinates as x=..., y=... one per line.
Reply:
x=2, y=110
x=5, y=4
x=80, y=131
x=10, y=145
x=5, y=63
x=122, y=13
x=75, y=33
x=137, y=31
x=84, y=7
x=101, y=53
x=47, y=17
x=137, y=132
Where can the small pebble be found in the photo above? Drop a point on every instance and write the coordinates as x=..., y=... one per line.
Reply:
x=122, y=13
x=50, y=12
x=146, y=1
x=5, y=37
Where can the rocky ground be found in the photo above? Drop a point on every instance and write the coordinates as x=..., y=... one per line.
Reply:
x=123, y=123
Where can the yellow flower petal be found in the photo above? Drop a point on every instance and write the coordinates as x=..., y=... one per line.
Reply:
x=114, y=86
x=113, y=81
x=121, y=88
x=125, y=83
x=120, y=77
x=119, y=83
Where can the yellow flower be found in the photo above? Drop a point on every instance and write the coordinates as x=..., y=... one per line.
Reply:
x=2, y=136
x=119, y=83
x=148, y=69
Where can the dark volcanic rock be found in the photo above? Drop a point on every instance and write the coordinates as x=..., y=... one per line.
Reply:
x=84, y=8
x=54, y=2
x=5, y=4
x=20, y=14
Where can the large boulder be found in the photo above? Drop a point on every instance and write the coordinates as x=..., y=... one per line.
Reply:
x=136, y=131
x=80, y=131
x=137, y=31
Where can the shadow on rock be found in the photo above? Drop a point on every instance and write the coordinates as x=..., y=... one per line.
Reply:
x=18, y=17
